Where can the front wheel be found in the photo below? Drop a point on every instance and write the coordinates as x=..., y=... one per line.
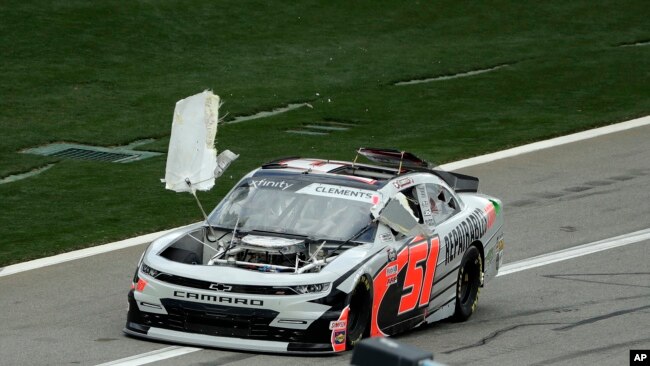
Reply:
x=359, y=313
x=468, y=285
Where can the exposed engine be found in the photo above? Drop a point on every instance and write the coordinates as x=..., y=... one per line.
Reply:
x=261, y=253
x=271, y=254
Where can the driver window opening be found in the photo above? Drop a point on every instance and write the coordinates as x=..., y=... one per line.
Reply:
x=408, y=199
x=442, y=202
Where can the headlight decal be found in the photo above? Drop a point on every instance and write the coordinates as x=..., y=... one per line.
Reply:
x=310, y=289
x=149, y=271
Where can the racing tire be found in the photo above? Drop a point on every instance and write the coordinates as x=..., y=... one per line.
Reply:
x=359, y=313
x=468, y=285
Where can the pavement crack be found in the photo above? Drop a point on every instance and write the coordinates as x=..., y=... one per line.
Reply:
x=569, y=278
x=586, y=194
x=601, y=317
x=563, y=307
x=590, y=352
x=496, y=334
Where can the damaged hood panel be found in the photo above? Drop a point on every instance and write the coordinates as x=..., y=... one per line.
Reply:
x=192, y=158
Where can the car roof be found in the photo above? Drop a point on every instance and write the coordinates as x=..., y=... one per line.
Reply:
x=316, y=176
x=335, y=171
x=360, y=175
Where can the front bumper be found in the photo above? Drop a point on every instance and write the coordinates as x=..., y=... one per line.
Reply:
x=229, y=327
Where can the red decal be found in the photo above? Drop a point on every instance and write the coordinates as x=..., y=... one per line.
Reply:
x=338, y=335
x=491, y=214
x=361, y=179
x=414, y=275
x=375, y=199
x=379, y=288
x=420, y=285
x=432, y=260
x=318, y=163
x=141, y=285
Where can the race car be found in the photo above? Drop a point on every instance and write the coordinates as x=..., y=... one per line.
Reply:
x=310, y=256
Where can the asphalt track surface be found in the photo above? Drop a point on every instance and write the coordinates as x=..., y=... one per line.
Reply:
x=587, y=310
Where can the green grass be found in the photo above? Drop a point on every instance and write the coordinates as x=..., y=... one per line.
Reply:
x=108, y=73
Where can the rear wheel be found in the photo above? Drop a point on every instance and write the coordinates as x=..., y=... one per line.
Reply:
x=468, y=285
x=359, y=313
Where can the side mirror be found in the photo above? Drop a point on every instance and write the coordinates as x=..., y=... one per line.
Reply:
x=398, y=218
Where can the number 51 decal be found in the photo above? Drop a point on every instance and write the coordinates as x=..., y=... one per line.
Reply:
x=418, y=279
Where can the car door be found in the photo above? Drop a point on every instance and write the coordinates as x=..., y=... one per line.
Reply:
x=406, y=298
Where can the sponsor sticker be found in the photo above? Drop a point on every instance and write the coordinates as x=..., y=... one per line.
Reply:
x=465, y=233
x=490, y=256
x=425, y=205
x=391, y=280
x=339, y=324
x=391, y=270
x=404, y=182
x=339, y=337
x=349, y=193
x=268, y=183
x=386, y=237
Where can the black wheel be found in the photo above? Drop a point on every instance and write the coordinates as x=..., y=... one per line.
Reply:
x=359, y=313
x=468, y=286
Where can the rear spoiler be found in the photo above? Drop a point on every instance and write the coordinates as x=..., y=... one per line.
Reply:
x=406, y=160
x=459, y=182
x=393, y=158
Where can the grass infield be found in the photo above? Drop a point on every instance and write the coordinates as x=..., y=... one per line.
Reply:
x=108, y=73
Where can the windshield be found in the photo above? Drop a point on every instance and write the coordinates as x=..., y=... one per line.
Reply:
x=315, y=210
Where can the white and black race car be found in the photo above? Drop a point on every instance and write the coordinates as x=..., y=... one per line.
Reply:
x=311, y=255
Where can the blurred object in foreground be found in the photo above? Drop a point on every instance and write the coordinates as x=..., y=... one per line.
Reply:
x=384, y=351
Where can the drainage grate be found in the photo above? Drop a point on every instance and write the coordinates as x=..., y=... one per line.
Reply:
x=74, y=153
x=94, y=153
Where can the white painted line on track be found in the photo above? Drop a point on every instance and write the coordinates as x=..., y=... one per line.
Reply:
x=643, y=121
x=43, y=262
x=153, y=356
x=82, y=253
x=580, y=250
